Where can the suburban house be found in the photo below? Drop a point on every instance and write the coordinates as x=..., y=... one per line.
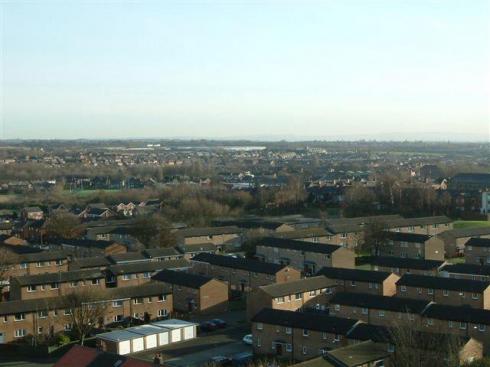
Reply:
x=132, y=274
x=403, y=265
x=376, y=309
x=456, y=292
x=54, y=284
x=48, y=316
x=466, y=271
x=296, y=335
x=455, y=239
x=242, y=274
x=307, y=256
x=477, y=251
x=414, y=246
x=96, y=211
x=361, y=281
x=195, y=293
x=313, y=292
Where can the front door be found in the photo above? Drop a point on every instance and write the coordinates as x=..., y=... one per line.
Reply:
x=279, y=349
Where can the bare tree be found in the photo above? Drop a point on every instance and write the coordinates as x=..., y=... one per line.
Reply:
x=7, y=258
x=63, y=224
x=374, y=238
x=87, y=311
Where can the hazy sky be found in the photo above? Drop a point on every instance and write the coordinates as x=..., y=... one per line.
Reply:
x=272, y=69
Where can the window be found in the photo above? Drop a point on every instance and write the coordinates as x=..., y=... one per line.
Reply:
x=146, y=275
x=312, y=293
x=430, y=291
x=475, y=296
x=445, y=293
x=5, y=318
x=297, y=296
x=306, y=332
x=391, y=348
x=42, y=314
x=54, y=285
x=68, y=327
x=353, y=283
x=280, y=299
x=364, y=311
x=462, y=325
x=162, y=298
x=20, y=333
x=23, y=265
x=289, y=347
x=95, y=281
x=259, y=344
x=482, y=327
x=19, y=316
x=162, y=313
x=337, y=307
x=324, y=335
x=138, y=301
x=305, y=350
x=259, y=326
x=430, y=322
x=403, y=288
x=74, y=284
x=117, y=303
x=117, y=318
x=289, y=330
x=370, y=285
x=31, y=288
x=136, y=315
x=336, y=338
x=59, y=262
x=67, y=312
x=40, y=330
x=450, y=324
x=126, y=277
x=381, y=313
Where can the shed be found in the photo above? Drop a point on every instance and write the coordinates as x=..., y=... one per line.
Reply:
x=179, y=329
x=121, y=342
x=151, y=335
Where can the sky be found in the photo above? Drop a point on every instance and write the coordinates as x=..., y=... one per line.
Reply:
x=344, y=69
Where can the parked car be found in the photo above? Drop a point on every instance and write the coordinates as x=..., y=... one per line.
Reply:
x=220, y=361
x=219, y=323
x=242, y=359
x=247, y=339
x=207, y=326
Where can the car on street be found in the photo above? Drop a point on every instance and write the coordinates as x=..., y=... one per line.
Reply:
x=247, y=339
x=221, y=324
x=207, y=326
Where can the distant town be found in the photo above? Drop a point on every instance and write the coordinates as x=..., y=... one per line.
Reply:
x=241, y=253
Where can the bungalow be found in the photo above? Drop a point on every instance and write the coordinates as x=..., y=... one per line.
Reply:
x=307, y=256
x=242, y=274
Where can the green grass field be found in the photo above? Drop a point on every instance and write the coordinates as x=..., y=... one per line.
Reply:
x=471, y=223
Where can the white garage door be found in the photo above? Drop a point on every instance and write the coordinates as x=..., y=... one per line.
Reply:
x=163, y=339
x=151, y=341
x=188, y=332
x=138, y=345
x=176, y=335
x=125, y=347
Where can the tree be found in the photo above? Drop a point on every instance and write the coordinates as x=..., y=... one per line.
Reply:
x=374, y=238
x=6, y=260
x=63, y=224
x=87, y=311
x=292, y=195
x=154, y=231
x=359, y=201
x=485, y=362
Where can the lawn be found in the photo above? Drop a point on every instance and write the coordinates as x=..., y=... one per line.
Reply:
x=471, y=223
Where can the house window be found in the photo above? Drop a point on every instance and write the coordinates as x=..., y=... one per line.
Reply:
x=162, y=298
x=117, y=318
x=430, y=322
x=126, y=277
x=306, y=332
x=19, y=316
x=146, y=275
x=297, y=296
x=95, y=281
x=5, y=318
x=381, y=313
x=353, y=283
x=324, y=335
x=450, y=324
x=23, y=265
x=445, y=292
x=40, y=330
x=54, y=285
x=305, y=350
x=336, y=338
x=74, y=284
x=138, y=301
x=280, y=299
x=59, y=262
x=259, y=326
x=482, y=327
x=391, y=348
x=463, y=325
x=31, y=288
x=162, y=313
x=42, y=314
x=259, y=344
x=117, y=303
x=364, y=311
x=411, y=316
x=430, y=291
x=20, y=333
x=289, y=330
x=403, y=288
x=475, y=296
x=337, y=307
x=289, y=347
x=68, y=327
x=67, y=312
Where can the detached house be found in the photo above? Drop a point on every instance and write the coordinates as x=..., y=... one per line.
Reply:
x=362, y=281
x=242, y=274
x=456, y=292
x=307, y=256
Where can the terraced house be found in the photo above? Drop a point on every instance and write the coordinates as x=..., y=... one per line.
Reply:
x=48, y=316
x=307, y=256
x=220, y=237
x=456, y=292
x=313, y=292
x=242, y=274
x=415, y=246
x=477, y=251
x=403, y=265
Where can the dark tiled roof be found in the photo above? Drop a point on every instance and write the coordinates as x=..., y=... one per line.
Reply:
x=478, y=242
x=197, y=247
x=354, y=274
x=65, y=276
x=379, y=302
x=464, y=232
x=127, y=257
x=376, y=333
x=181, y=278
x=425, y=281
x=239, y=263
x=150, y=266
x=299, y=320
x=298, y=245
x=458, y=313
x=297, y=286
x=470, y=269
x=407, y=237
x=44, y=256
x=403, y=262
x=161, y=252
x=85, y=243
x=360, y=354
x=151, y=288
x=90, y=262
x=303, y=233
